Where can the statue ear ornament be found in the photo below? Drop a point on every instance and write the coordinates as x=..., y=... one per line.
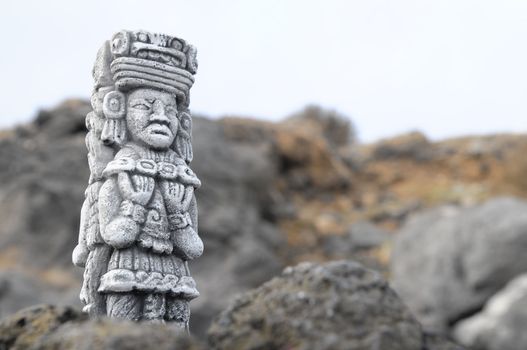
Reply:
x=114, y=109
x=184, y=137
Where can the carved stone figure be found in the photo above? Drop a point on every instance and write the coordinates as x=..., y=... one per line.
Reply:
x=139, y=223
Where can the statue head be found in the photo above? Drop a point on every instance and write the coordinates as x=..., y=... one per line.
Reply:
x=142, y=85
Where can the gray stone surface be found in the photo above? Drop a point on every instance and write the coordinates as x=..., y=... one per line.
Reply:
x=38, y=187
x=138, y=223
x=240, y=243
x=448, y=261
x=502, y=322
x=361, y=235
x=18, y=290
x=365, y=235
x=438, y=342
x=24, y=329
x=48, y=327
x=338, y=305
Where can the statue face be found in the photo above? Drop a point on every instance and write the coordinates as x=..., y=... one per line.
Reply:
x=151, y=117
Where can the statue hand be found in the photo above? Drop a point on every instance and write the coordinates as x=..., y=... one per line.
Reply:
x=174, y=194
x=136, y=188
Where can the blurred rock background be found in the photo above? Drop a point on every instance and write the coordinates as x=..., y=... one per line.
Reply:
x=444, y=222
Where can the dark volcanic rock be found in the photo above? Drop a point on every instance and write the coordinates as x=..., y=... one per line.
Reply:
x=438, y=342
x=447, y=262
x=339, y=305
x=66, y=119
x=26, y=328
x=61, y=328
x=240, y=244
x=44, y=174
x=109, y=334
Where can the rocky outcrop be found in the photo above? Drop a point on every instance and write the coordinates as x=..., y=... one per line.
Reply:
x=273, y=194
x=26, y=328
x=337, y=129
x=501, y=323
x=240, y=244
x=447, y=262
x=339, y=305
x=19, y=289
x=45, y=173
x=62, y=328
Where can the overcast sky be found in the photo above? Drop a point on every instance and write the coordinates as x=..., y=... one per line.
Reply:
x=446, y=67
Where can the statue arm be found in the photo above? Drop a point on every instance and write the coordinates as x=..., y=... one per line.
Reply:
x=109, y=201
x=193, y=211
x=117, y=230
x=81, y=251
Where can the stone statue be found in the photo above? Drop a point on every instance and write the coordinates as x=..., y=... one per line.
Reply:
x=139, y=221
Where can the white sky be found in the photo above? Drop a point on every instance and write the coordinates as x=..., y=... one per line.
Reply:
x=446, y=67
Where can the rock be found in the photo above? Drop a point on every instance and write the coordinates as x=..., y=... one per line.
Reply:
x=338, y=305
x=502, y=322
x=361, y=235
x=24, y=329
x=38, y=186
x=365, y=235
x=109, y=334
x=240, y=244
x=61, y=328
x=413, y=145
x=337, y=129
x=447, y=262
x=18, y=290
x=438, y=342
x=65, y=119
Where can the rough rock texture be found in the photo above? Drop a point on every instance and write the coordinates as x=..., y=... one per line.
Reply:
x=38, y=187
x=448, y=261
x=239, y=244
x=438, y=342
x=337, y=129
x=339, y=305
x=57, y=328
x=501, y=324
x=24, y=329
